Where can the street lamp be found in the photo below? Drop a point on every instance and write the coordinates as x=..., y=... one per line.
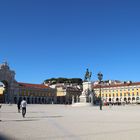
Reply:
x=100, y=77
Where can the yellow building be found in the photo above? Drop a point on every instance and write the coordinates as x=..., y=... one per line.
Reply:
x=35, y=93
x=67, y=94
x=1, y=90
x=1, y=93
x=118, y=93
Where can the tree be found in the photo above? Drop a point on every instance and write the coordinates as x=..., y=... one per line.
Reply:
x=64, y=80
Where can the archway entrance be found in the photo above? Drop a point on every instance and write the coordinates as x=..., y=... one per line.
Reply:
x=3, y=91
x=7, y=78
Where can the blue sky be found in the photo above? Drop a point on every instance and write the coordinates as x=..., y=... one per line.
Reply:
x=42, y=39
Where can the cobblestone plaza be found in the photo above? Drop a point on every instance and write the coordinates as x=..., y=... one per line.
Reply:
x=66, y=122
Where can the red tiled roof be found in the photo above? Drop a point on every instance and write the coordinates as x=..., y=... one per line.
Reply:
x=32, y=85
x=117, y=85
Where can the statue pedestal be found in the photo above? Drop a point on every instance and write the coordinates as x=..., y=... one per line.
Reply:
x=83, y=101
x=83, y=98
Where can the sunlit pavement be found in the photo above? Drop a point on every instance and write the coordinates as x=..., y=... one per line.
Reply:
x=65, y=122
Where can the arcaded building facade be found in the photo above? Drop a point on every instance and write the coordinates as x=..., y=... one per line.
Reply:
x=119, y=93
x=35, y=93
x=13, y=90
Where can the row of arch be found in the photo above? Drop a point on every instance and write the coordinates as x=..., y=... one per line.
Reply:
x=48, y=100
x=125, y=99
x=35, y=100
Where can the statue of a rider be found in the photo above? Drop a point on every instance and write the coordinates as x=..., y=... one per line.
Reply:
x=87, y=76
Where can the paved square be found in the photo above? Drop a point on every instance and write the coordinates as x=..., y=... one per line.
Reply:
x=65, y=122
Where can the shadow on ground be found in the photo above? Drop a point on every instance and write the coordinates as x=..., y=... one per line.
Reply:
x=3, y=137
x=46, y=117
x=30, y=119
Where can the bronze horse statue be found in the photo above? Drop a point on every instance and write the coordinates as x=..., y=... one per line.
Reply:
x=87, y=75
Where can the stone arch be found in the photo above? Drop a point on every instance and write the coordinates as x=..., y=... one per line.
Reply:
x=32, y=100
x=125, y=99
x=4, y=90
x=43, y=100
x=35, y=100
x=109, y=99
x=28, y=100
x=7, y=77
x=15, y=100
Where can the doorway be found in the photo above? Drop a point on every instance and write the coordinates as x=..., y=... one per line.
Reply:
x=3, y=91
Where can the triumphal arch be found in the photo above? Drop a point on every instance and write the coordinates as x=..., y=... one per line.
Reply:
x=7, y=77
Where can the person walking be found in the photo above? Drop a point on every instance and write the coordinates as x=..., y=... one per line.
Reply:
x=0, y=113
x=18, y=105
x=23, y=106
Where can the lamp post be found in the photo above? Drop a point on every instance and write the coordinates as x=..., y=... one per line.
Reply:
x=88, y=93
x=100, y=77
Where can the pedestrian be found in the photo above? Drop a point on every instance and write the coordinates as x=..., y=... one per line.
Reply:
x=0, y=108
x=23, y=106
x=18, y=105
x=110, y=104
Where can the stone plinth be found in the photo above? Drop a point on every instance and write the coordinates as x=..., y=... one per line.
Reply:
x=83, y=97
